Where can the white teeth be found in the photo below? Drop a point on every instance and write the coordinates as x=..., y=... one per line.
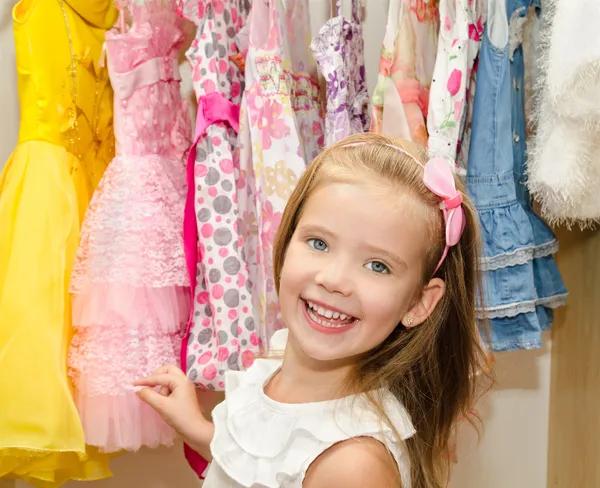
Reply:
x=326, y=312
x=314, y=309
x=324, y=323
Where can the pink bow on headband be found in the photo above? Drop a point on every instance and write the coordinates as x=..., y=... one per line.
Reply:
x=439, y=179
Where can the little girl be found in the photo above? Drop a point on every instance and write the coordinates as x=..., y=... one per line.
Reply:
x=376, y=269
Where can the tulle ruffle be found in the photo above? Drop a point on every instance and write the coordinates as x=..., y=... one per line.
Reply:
x=122, y=422
x=103, y=363
x=114, y=305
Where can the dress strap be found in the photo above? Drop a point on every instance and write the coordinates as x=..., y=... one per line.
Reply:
x=393, y=23
x=122, y=19
x=261, y=22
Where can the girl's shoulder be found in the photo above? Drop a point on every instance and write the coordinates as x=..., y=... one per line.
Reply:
x=259, y=440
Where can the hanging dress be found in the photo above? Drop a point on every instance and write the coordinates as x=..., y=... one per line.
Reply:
x=129, y=283
x=65, y=143
x=522, y=282
x=461, y=31
x=281, y=131
x=339, y=51
x=219, y=336
x=222, y=316
x=401, y=97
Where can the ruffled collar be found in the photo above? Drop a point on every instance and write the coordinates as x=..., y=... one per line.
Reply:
x=257, y=439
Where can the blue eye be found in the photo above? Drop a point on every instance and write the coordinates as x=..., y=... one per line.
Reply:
x=317, y=244
x=377, y=267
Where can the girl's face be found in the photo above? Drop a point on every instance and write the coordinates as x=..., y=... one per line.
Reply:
x=353, y=269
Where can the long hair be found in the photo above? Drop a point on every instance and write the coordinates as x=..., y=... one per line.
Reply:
x=433, y=369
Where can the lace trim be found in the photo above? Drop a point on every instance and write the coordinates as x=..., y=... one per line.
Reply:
x=553, y=302
x=546, y=249
x=514, y=309
x=518, y=257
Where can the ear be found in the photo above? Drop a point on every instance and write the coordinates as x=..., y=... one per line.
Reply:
x=425, y=305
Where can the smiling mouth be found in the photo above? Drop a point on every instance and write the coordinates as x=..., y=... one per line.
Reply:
x=328, y=318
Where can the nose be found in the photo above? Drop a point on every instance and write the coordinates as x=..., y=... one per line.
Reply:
x=333, y=276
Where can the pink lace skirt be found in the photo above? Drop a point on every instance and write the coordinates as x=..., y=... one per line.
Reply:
x=130, y=299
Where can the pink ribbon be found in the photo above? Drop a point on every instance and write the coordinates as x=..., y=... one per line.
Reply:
x=439, y=179
x=145, y=74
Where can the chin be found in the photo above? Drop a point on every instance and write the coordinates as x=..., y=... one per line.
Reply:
x=320, y=350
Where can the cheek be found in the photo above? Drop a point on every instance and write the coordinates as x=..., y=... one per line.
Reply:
x=384, y=306
x=294, y=273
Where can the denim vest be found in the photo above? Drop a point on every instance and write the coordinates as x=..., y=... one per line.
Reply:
x=522, y=281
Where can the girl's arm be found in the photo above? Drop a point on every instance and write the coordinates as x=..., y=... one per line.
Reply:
x=354, y=463
x=173, y=396
x=199, y=436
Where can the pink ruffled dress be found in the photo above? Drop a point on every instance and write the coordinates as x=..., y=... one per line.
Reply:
x=130, y=285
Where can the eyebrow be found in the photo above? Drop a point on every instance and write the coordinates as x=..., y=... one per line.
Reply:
x=390, y=255
x=319, y=230
x=316, y=229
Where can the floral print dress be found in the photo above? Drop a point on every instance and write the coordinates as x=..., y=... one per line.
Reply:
x=339, y=52
x=281, y=130
x=401, y=98
x=461, y=30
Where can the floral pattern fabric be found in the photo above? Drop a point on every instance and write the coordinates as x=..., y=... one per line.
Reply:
x=281, y=130
x=339, y=52
x=461, y=30
x=401, y=97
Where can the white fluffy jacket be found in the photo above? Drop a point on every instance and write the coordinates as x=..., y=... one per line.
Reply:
x=564, y=159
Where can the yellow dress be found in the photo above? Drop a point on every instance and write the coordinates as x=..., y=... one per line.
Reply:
x=65, y=143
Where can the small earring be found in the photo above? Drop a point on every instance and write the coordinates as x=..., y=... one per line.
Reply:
x=409, y=321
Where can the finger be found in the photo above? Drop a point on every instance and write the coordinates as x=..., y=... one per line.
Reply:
x=169, y=369
x=164, y=391
x=152, y=398
x=163, y=380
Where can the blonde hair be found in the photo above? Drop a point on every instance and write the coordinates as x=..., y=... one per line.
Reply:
x=432, y=369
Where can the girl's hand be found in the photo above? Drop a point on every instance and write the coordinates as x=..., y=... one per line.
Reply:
x=175, y=401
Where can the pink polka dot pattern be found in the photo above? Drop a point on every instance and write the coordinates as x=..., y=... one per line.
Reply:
x=219, y=337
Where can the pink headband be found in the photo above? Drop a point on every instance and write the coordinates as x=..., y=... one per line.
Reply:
x=438, y=177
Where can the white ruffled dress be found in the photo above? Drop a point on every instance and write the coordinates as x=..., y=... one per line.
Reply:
x=259, y=442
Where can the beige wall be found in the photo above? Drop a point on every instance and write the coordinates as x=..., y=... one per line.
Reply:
x=513, y=450
x=9, y=102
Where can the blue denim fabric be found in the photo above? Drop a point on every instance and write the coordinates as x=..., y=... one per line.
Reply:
x=516, y=285
x=523, y=331
x=549, y=285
